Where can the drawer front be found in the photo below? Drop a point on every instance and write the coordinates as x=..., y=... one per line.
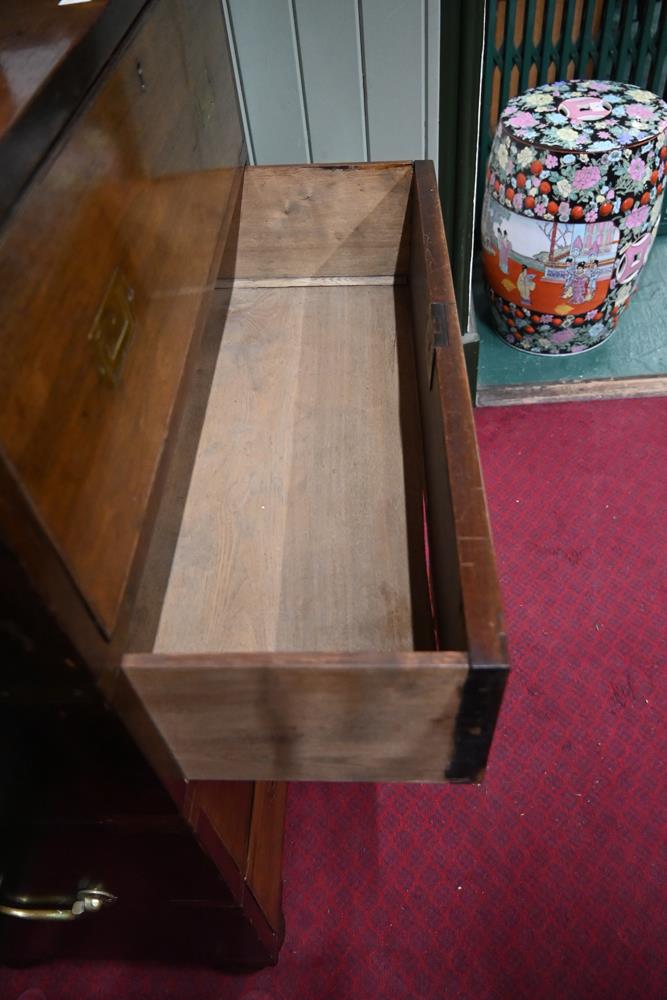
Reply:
x=104, y=266
x=168, y=901
x=199, y=934
x=159, y=863
x=354, y=717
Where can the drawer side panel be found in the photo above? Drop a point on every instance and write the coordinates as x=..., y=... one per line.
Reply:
x=466, y=580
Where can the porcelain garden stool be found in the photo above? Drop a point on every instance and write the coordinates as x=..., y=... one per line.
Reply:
x=573, y=201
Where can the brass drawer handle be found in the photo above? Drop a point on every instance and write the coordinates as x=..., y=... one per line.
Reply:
x=86, y=901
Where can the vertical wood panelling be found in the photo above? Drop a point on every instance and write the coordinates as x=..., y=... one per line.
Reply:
x=333, y=87
x=395, y=53
x=269, y=72
x=352, y=80
x=296, y=42
x=234, y=56
x=364, y=73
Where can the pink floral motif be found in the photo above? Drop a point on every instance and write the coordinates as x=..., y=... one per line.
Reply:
x=517, y=201
x=564, y=211
x=523, y=119
x=550, y=161
x=540, y=208
x=637, y=169
x=640, y=111
x=562, y=336
x=637, y=217
x=591, y=215
x=586, y=177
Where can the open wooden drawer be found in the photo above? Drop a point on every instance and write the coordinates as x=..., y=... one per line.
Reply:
x=332, y=609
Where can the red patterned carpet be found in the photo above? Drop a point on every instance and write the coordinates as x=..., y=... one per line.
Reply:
x=547, y=883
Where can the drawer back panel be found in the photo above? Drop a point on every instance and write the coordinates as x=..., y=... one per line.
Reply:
x=105, y=267
x=306, y=222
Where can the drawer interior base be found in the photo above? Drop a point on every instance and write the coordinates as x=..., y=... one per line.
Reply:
x=302, y=525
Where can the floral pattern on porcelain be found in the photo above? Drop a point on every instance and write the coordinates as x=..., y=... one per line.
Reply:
x=576, y=158
x=549, y=116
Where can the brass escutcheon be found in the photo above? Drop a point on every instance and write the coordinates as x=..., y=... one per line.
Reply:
x=113, y=328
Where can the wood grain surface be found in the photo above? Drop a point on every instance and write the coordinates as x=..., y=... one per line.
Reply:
x=265, y=849
x=292, y=716
x=436, y=323
x=126, y=194
x=228, y=808
x=295, y=534
x=443, y=562
x=313, y=282
x=144, y=184
x=464, y=576
x=304, y=221
x=299, y=537
x=36, y=39
x=50, y=57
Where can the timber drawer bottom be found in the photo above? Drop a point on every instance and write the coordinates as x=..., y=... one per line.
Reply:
x=331, y=609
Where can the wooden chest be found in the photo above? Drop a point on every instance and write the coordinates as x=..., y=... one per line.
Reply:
x=241, y=507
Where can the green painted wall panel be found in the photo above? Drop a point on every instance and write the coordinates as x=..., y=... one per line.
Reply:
x=269, y=74
x=341, y=80
x=332, y=79
x=394, y=40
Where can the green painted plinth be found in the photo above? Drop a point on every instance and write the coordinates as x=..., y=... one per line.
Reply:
x=632, y=362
